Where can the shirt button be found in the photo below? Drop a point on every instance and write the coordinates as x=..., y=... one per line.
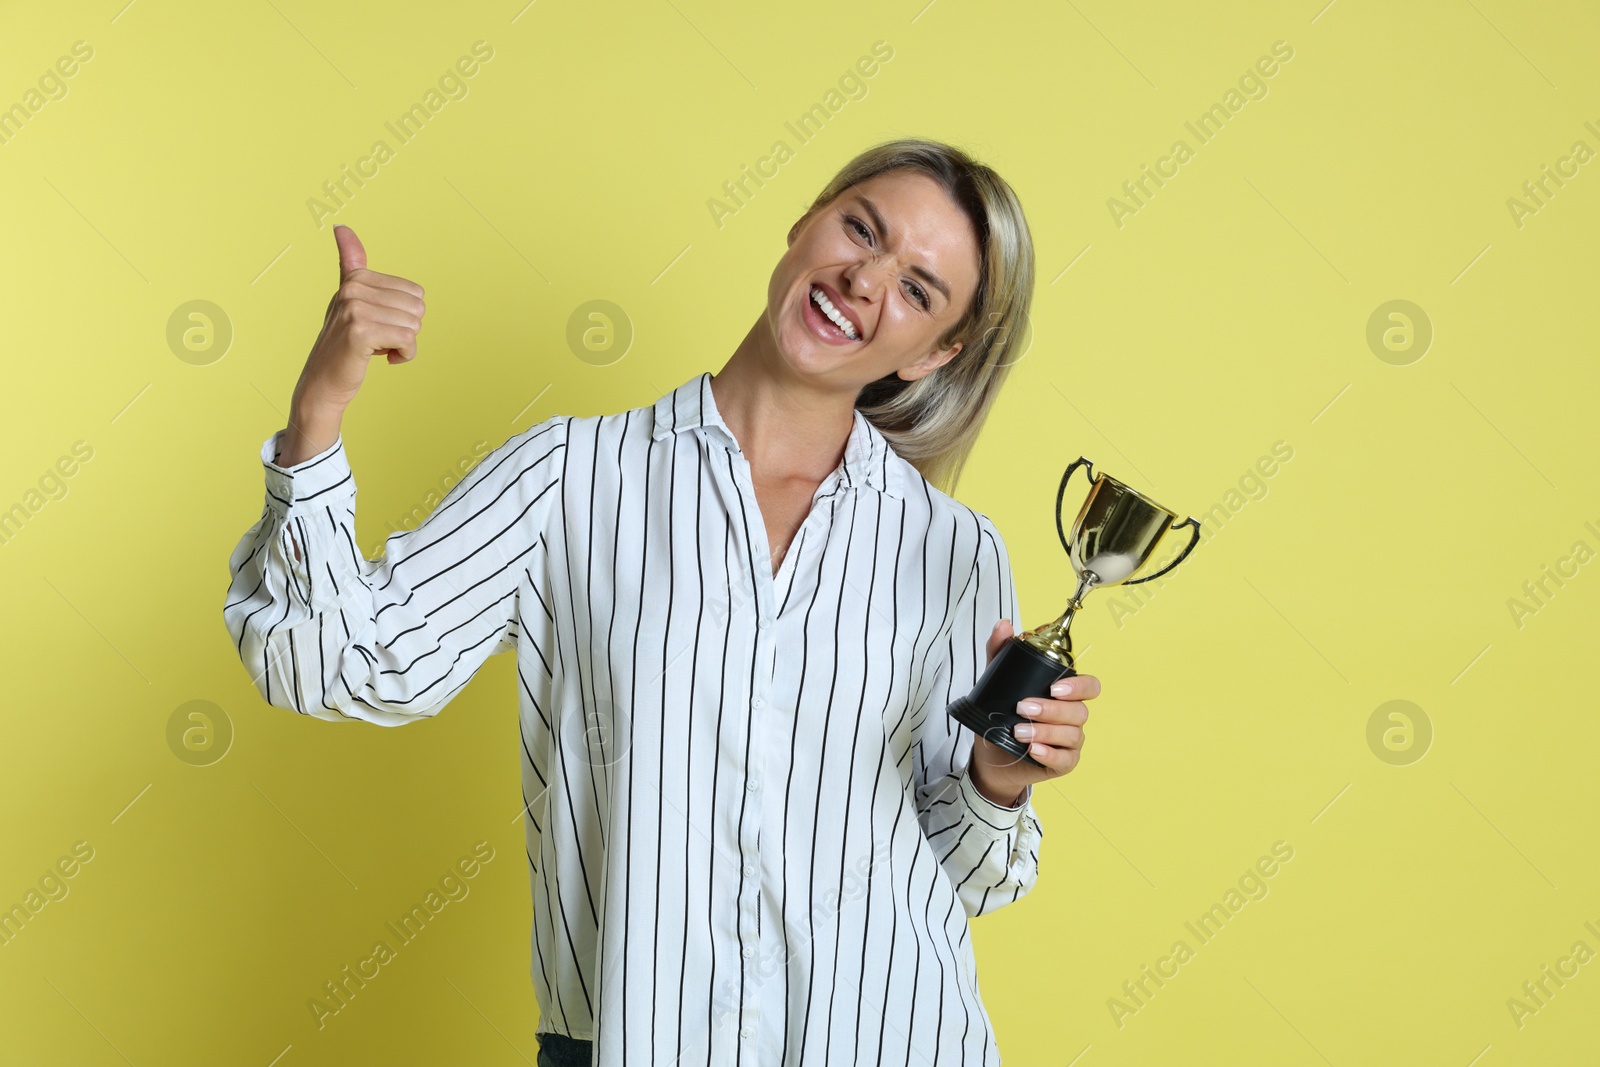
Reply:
x=751, y=785
x=749, y=868
x=756, y=703
x=766, y=620
x=745, y=1032
x=748, y=952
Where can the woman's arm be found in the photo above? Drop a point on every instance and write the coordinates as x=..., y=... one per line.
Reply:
x=990, y=851
x=323, y=630
x=330, y=634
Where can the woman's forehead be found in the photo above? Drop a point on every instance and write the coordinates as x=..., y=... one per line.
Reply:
x=915, y=215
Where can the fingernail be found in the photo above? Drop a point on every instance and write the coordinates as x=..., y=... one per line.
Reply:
x=1028, y=707
x=1024, y=731
x=1037, y=750
x=1060, y=689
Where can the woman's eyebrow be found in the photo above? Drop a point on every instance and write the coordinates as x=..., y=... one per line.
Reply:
x=883, y=228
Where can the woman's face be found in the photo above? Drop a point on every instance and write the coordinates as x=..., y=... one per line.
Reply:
x=895, y=256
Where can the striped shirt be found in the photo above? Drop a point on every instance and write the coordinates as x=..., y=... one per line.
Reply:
x=750, y=832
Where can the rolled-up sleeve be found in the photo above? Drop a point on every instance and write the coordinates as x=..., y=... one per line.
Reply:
x=989, y=851
x=330, y=634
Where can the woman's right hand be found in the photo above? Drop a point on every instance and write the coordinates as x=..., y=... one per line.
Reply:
x=368, y=314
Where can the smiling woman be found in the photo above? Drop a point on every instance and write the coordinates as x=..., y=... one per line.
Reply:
x=932, y=420
x=739, y=614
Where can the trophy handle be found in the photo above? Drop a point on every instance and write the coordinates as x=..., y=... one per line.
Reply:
x=1088, y=465
x=1194, y=539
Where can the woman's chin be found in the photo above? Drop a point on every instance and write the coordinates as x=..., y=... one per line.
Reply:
x=809, y=358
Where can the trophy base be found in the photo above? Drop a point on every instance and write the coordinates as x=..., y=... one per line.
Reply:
x=968, y=714
x=1018, y=671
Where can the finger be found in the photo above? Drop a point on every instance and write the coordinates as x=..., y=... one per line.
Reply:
x=406, y=352
x=379, y=280
x=998, y=637
x=992, y=755
x=371, y=311
x=352, y=254
x=1060, y=760
x=361, y=287
x=375, y=337
x=1071, y=712
x=353, y=264
x=1059, y=735
x=1076, y=687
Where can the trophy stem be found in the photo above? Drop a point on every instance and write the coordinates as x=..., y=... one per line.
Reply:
x=1026, y=665
x=1054, y=639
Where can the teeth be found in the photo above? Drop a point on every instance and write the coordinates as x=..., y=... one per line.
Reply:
x=838, y=318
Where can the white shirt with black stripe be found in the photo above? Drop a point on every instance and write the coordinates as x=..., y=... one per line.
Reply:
x=751, y=836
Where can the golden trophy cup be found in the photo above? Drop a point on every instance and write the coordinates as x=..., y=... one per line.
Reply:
x=1116, y=531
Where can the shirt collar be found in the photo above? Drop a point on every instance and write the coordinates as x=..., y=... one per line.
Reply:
x=867, y=455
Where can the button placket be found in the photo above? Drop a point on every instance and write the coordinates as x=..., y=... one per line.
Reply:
x=761, y=582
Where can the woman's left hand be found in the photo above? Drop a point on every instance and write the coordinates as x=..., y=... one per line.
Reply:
x=1057, y=740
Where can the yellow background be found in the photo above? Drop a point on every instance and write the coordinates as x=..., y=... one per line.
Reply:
x=1228, y=314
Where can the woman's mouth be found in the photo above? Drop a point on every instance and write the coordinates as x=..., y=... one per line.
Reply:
x=827, y=321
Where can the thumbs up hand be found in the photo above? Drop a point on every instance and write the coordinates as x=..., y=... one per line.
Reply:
x=370, y=312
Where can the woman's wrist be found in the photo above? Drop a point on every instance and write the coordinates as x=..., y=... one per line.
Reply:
x=989, y=791
x=312, y=429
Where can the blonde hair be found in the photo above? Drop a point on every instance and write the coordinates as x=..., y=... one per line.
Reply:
x=934, y=421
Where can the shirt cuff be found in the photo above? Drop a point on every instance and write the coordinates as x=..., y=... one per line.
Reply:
x=319, y=480
x=996, y=817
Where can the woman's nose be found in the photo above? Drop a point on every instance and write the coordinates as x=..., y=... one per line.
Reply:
x=866, y=278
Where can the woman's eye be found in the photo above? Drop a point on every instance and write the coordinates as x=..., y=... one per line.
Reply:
x=918, y=294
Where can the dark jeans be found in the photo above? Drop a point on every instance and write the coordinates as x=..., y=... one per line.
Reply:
x=559, y=1050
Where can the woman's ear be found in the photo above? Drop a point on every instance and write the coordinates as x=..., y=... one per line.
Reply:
x=929, y=363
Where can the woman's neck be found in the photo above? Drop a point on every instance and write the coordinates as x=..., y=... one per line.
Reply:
x=785, y=429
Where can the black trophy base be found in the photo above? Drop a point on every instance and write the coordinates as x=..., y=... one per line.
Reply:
x=1017, y=672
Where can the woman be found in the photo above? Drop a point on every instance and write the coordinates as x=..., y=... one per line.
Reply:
x=738, y=614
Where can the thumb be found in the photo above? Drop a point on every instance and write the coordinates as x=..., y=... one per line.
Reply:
x=1001, y=633
x=352, y=256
